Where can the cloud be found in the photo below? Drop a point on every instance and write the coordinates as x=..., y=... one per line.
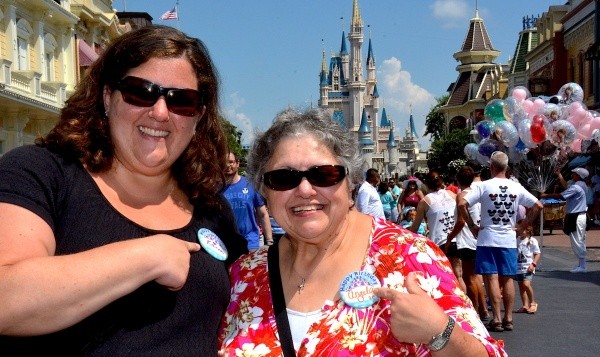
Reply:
x=402, y=95
x=400, y=91
x=452, y=13
x=239, y=119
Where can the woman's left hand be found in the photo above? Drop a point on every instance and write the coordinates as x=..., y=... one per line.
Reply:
x=415, y=316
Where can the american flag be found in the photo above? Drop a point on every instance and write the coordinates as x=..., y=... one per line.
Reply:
x=169, y=15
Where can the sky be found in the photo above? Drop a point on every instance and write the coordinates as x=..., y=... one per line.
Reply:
x=269, y=52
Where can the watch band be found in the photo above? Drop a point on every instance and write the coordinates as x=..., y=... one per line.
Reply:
x=440, y=341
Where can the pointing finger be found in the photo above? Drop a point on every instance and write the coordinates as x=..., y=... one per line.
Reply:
x=385, y=293
x=193, y=247
x=412, y=284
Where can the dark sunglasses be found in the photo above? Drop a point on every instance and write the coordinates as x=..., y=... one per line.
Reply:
x=143, y=93
x=320, y=176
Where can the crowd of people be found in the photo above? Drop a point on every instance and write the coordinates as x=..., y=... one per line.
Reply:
x=128, y=229
x=479, y=223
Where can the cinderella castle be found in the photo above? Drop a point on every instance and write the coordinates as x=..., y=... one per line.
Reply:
x=353, y=100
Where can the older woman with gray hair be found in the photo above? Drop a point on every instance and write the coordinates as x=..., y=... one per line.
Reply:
x=339, y=282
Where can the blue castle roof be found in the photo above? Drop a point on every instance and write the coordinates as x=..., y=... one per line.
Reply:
x=385, y=122
x=391, y=140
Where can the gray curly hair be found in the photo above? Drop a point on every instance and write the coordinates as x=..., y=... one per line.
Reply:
x=314, y=122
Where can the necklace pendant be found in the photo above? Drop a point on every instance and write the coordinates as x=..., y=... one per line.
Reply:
x=301, y=285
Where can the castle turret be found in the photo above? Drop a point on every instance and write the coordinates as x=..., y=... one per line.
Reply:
x=392, y=150
x=366, y=143
x=324, y=83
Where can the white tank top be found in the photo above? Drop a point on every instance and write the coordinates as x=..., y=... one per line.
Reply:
x=440, y=215
x=300, y=323
x=464, y=238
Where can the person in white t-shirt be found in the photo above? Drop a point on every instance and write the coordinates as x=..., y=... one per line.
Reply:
x=496, y=255
x=367, y=199
x=576, y=211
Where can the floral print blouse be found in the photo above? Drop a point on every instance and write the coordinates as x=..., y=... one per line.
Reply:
x=249, y=328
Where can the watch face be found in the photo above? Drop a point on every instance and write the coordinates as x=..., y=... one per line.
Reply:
x=438, y=343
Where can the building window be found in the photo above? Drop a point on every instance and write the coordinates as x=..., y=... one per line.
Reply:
x=22, y=54
x=24, y=32
x=50, y=46
x=48, y=69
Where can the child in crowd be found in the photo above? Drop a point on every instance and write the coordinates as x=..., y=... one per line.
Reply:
x=528, y=256
x=410, y=213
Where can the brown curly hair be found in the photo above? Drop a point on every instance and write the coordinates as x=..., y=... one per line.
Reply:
x=83, y=134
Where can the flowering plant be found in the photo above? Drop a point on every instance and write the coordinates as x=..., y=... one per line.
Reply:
x=457, y=164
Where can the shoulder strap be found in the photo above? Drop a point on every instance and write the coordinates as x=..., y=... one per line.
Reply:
x=281, y=318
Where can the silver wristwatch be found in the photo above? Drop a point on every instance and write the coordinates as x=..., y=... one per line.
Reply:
x=440, y=341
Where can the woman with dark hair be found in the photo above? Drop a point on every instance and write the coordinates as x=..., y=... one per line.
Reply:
x=102, y=217
x=438, y=208
x=410, y=197
x=339, y=282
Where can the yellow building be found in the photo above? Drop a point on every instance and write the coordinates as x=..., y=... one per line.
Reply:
x=44, y=48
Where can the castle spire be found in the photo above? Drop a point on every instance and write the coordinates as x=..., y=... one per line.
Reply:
x=356, y=17
x=411, y=121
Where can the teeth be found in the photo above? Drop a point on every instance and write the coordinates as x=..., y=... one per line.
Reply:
x=307, y=208
x=153, y=132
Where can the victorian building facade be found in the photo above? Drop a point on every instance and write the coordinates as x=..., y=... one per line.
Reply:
x=479, y=80
x=566, y=35
x=45, y=47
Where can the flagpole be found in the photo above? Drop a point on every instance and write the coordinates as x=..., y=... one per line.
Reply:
x=177, y=12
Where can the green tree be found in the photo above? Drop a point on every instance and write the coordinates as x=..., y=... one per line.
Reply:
x=434, y=122
x=234, y=138
x=450, y=148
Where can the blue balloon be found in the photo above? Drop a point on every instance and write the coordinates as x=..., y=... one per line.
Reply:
x=485, y=128
x=488, y=146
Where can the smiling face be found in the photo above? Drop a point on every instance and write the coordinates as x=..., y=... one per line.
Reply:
x=307, y=213
x=149, y=140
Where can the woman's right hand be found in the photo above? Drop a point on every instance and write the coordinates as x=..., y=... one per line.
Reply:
x=173, y=259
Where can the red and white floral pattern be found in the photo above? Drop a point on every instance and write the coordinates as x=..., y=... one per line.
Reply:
x=249, y=329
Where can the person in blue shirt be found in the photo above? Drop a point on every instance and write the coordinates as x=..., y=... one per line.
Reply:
x=247, y=206
x=410, y=213
x=396, y=191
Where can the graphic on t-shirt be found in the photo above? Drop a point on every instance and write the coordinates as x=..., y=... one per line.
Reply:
x=447, y=221
x=503, y=204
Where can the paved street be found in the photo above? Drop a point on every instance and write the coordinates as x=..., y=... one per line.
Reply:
x=567, y=322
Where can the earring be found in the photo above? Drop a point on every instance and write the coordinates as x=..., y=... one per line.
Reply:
x=106, y=113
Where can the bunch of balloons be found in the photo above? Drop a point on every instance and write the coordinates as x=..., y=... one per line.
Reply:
x=521, y=123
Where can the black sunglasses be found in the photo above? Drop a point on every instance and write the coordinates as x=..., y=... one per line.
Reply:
x=143, y=93
x=320, y=176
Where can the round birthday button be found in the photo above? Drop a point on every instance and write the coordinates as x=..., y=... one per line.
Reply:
x=356, y=289
x=211, y=243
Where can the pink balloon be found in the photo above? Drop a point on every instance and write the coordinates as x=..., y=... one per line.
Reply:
x=539, y=105
x=585, y=131
x=581, y=113
x=528, y=107
x=575, y=105
x=576, y=145
x=575, y=120
x=595, y=123
x=519, y=94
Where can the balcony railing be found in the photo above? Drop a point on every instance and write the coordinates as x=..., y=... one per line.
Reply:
x=30, y=84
